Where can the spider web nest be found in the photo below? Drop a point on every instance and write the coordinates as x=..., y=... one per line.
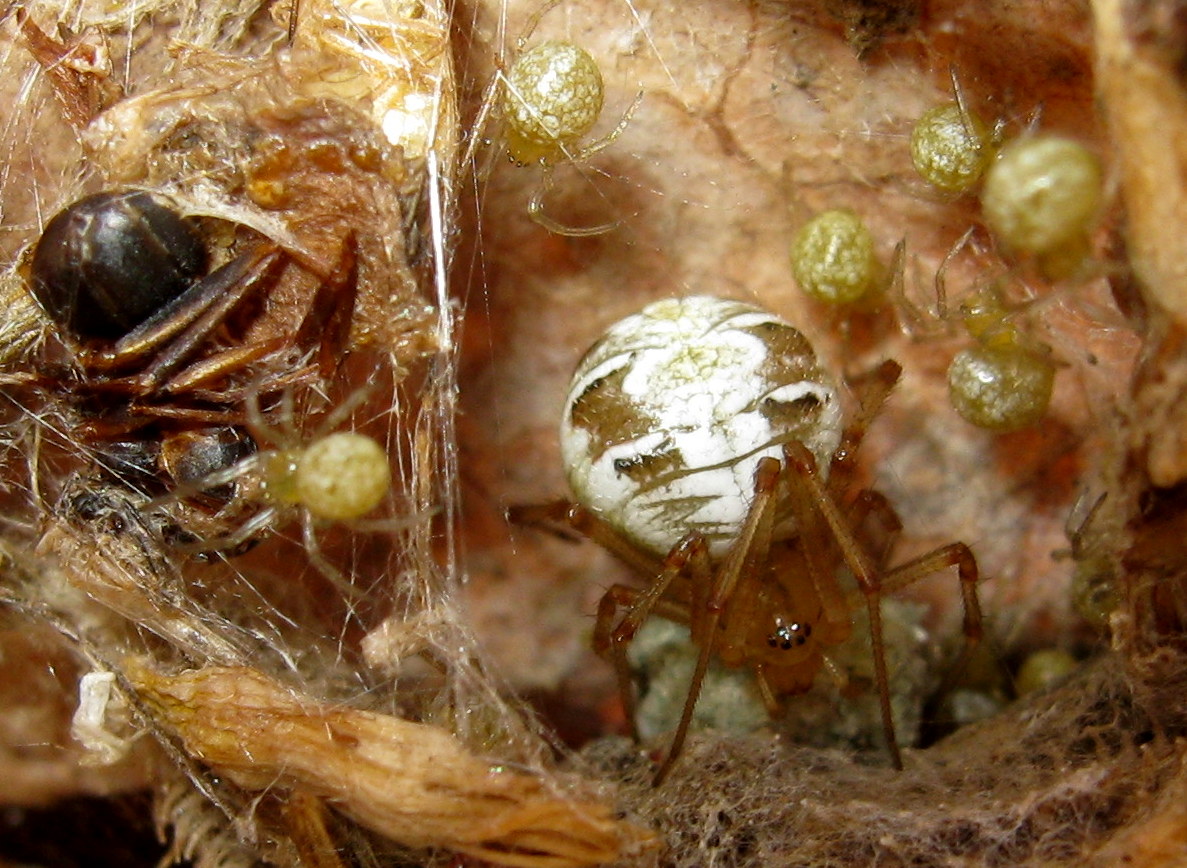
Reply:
x=1082, y=764
x=304, y=663
x=425, y=756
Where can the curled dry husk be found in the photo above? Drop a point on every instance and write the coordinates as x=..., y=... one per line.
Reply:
x=411, y=782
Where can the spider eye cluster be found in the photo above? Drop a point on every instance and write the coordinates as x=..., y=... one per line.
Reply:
x=553, y=97
x=111, y=260
x=671, y=410
x=789, y=635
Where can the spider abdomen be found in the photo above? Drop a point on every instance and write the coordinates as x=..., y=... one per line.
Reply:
x=669, y=413
x=111, y=260
x=554, y=97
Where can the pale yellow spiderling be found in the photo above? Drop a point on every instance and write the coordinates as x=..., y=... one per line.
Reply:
x=1004, y=381
x=950, y=147
x=833, y=258
x=1042, y=194
x=338, y=477
x=1044, y=668
x=549, y=98
x=552, y=97
x=318, y=478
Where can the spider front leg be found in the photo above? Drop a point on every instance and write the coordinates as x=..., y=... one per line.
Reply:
x=689, y=558
x=873, y=582
x=612, y=637
x=560, y=516
x=807, y=486
x=536, y=202
x=956, y=555
x=713, y=594
x=870, y=511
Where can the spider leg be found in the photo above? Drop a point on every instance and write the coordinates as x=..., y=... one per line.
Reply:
x=236, y=395
x=872, y=583
x=742, y=563
x=872, y=388
x=611, y=639
x=475, y=138
x=549, y=517
x=260, y=428
x=177, y=331
x=688, y=557
x=536, y=212
x=711, y=592
x=343, y=410
x=561, y=516
x=873, y=505
x=321, y=563
x=331, y=312
x=224, y=476
x=941, y=282
x=802, y=466
x=536, y=203
x=533, y=21
x=229, y=545
x=605, y=141
x=769, y=698
x=952, y=555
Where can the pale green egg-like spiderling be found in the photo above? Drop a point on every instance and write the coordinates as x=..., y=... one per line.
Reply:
x=342, y=476
x=950, y=148
x=1042, y=193
x=1002, y=388
x=1042, y=669
x=833, y=259
x=552, y=97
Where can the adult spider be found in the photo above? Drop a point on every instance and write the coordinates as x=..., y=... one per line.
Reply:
x=706, y=448
x=150, y=392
